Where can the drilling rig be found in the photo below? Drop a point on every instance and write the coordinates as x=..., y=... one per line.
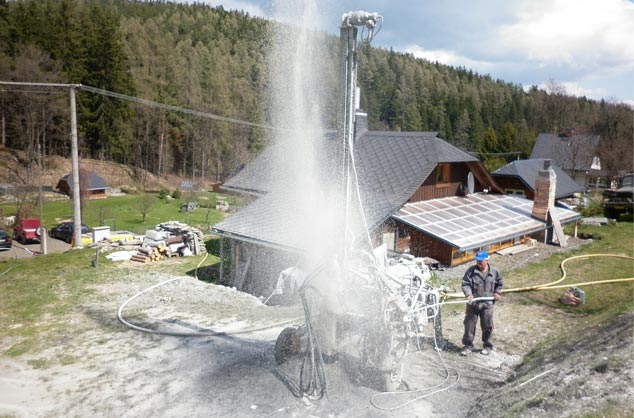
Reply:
x=357, y=309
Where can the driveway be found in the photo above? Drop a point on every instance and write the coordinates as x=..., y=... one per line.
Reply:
x=18, y=250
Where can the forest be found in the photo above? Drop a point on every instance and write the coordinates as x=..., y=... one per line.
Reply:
x=209, y=61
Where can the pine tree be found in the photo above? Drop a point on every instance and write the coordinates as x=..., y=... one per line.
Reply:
x=105, y=67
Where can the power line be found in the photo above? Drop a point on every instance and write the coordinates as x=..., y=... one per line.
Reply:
x=172, y=107
x=142, y=101
x=30, y=91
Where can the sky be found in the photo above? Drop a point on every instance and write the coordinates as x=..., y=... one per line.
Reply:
x=584, y=46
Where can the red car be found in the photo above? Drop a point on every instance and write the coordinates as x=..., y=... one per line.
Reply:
x=26, y=230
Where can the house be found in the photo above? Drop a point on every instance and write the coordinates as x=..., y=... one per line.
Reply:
x=94, y=184
x=575, y=154
x=419, y=194
x=517, y=178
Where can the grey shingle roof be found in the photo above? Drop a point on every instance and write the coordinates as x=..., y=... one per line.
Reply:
x=393, y=165
x=390, y=166
x=566, y=152
x=95, y=182
x=526, y=171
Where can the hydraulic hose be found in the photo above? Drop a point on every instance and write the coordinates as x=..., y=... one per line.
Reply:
x=553, y=285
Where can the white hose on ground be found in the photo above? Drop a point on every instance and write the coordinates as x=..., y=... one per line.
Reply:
x=205, y=333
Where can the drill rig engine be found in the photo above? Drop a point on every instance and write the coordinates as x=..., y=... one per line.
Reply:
x=367, y=319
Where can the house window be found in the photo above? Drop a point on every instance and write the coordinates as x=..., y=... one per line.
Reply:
x=515, y=192
x=442, y=173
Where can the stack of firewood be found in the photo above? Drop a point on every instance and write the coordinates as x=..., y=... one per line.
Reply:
x=151, y=253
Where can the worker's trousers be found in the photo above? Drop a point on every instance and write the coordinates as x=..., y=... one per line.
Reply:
x=484, y=311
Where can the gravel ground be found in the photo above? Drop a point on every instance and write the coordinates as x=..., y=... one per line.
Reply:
x=99, y=367
x=505, y=263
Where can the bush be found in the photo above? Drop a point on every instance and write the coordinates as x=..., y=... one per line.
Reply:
x=176, y=194
x=163, y=193
x=593, y=209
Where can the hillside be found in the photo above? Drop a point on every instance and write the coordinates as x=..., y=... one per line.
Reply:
x=587, y=369
x=210, y=60
x=16, y=171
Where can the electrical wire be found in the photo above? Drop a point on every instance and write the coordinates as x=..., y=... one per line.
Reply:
x=30, y=91
x=138, y=100
x=173, y=108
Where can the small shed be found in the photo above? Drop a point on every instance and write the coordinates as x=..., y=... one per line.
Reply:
x=94, y=184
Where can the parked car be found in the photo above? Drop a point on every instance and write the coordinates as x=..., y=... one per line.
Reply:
x=27, y=229
x=65, y=231
x=5, y=240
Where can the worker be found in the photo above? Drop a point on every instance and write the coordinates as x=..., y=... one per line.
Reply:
x=481, y=280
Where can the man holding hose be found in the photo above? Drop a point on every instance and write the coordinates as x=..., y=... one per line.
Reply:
x=480, y=281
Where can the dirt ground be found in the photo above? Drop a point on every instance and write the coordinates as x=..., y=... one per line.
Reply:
x=100, y=367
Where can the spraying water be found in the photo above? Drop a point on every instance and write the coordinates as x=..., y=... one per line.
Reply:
x=345, y=296
x=303, y=81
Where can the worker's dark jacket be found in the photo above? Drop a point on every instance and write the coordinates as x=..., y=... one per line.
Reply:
x=473, y=282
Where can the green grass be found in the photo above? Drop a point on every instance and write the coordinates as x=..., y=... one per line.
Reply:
x=602, y=300
x=38, y=288
x=38, y=295
x=124, y=212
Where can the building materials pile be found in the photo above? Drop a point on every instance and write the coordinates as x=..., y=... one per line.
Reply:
x=148, y=254
x=170, y=239
x=191, y=238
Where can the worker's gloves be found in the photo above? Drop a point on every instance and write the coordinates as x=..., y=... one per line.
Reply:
x=470, y=299
x=497, y=296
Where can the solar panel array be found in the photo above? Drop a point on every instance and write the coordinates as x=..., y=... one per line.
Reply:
x=475, y=220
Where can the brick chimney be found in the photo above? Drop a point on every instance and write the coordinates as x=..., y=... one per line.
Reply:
x=545, y=184
x=566, y=132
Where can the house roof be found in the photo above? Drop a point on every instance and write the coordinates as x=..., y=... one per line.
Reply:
x=568, y=152
x=95, y=182
x=476, y=220
x=390, y=166
x=526, y=171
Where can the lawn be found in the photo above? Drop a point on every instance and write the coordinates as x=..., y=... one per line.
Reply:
x=125, y=213
x=602, y=300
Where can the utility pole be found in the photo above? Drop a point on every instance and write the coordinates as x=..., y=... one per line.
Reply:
x=43, y=233
x=75, y=168
x=74, y=149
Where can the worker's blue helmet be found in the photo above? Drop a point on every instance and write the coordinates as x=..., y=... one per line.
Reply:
x=481, y=255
